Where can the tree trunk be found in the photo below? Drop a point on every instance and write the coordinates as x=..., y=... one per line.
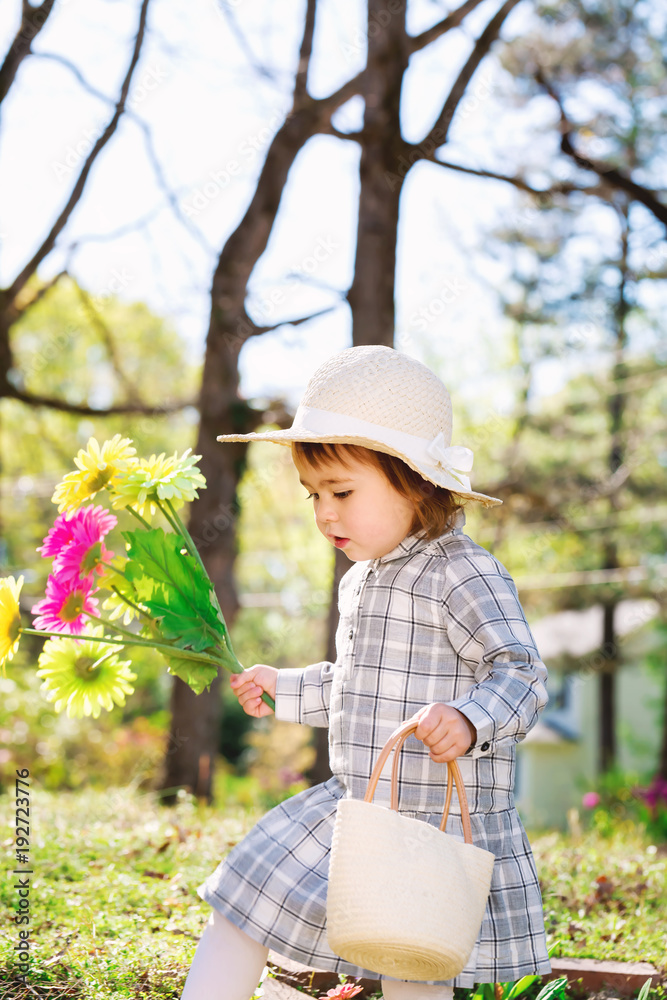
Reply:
x=223, y=411
x=608, y=690
x=607, y=749
x=371, y=295
x=320, y=769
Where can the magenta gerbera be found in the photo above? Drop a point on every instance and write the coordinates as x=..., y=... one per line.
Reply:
x=75, y=541
x=64, y=609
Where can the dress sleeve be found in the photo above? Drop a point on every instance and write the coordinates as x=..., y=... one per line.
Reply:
x=303, y=694
x=488, y=630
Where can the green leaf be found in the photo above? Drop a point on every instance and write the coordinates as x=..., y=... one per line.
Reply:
x=198, y=676
x=177, y=621
x=644, y=991
x=521, y=986
x=553, y=989
x=174, y=588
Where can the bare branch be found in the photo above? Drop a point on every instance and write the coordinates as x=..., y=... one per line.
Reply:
x=608, y=175
x=116, y=234
x=23, y=306
x=332, y=130
x=291, y=322
x=305, y=52
x=33, y=20
x=74, y=69
x=438, y=134
x=77, y=191
x=453, y=20
x=256, y=65
x=166, y=190
x=563, y=187
x=62, y=406
x=108, y=339
x=169, y=194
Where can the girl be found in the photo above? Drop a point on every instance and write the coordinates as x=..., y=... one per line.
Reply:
x=430, y=628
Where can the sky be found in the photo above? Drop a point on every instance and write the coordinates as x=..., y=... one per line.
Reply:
x=212, y=116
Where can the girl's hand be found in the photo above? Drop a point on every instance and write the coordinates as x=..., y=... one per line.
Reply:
x=445, y=731
x=251, y=684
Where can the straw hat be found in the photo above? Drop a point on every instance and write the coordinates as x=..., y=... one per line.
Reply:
x=386, y=401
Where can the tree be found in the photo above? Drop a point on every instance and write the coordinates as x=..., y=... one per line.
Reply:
x=599, y=292
x=386, y=158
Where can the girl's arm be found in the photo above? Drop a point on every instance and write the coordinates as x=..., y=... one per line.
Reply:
x=303, y=695
x=487, y=628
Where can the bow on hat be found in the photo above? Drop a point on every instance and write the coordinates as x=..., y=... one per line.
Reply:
x=455, y=459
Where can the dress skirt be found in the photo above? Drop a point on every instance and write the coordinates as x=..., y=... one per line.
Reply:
x=273, y=885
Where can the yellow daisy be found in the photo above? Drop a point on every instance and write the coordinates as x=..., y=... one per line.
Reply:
x=97, y=465
x=84, y=676
x=158, y=478
x=10, y=618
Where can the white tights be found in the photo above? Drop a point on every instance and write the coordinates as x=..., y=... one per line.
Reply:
x=228, y=965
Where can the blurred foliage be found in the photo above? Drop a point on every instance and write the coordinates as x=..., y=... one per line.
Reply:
x=134, y=357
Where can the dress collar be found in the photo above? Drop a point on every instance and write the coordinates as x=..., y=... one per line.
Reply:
x=412, y=544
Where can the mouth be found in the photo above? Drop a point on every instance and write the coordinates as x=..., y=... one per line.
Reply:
x=339, y=542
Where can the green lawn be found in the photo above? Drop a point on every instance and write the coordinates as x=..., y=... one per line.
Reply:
x=115, y=912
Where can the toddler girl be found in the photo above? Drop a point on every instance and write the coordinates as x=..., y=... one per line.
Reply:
x=430, y=628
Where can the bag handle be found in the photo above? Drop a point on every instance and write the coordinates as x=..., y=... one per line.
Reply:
x=395, y=742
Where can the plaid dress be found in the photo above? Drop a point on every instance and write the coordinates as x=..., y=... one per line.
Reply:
x=435, y=621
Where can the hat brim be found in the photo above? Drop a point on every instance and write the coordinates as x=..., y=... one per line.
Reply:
x=289, y=436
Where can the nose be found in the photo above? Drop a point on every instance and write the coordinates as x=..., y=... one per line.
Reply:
x=325, y=511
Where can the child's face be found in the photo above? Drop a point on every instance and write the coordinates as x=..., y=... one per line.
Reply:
x=356, y=507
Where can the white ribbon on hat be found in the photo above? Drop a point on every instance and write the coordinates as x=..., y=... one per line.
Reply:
x=449, y=463
x=455, y=460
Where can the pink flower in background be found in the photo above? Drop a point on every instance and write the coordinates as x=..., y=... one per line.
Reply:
x=62, y=610
x=345, y=990
x=75, y=542
x=655, y=794
x=590, y=800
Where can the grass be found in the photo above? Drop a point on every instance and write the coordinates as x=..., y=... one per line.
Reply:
x=605, y=895
x=115, y=911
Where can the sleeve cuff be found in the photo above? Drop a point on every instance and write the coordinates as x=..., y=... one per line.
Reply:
x=289, y=688
x=302, y=695
x=482, y=722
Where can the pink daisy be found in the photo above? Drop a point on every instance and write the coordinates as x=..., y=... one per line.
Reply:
x=345, y=990
x=62, y=610
x=75, y=541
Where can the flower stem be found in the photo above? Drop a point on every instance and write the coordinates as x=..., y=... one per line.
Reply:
x=174, y=524
x=174, y=651
x=130, y=603
x=138, y=516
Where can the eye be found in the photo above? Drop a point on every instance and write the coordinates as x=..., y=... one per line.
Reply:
x=312, y=496
x=341, y=496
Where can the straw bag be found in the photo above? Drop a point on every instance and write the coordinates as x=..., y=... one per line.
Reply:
x=405, y=900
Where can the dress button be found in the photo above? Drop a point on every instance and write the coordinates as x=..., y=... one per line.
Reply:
x=485, y=746
x=351, y=633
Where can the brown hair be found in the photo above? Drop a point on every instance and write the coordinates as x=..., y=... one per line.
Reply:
x=434, y=506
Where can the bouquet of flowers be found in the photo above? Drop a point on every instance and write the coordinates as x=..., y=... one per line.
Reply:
x=160, y=594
